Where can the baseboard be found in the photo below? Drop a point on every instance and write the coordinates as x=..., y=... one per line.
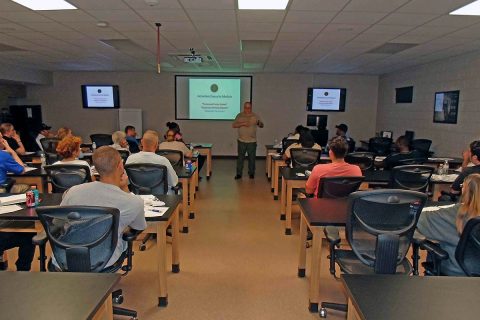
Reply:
x=234, y=157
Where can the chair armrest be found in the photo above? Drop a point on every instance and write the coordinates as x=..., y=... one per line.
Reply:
x=131, y=235
x=177, y=188
x=434, y=249
x=332, y=235
x=40, y=239
x=418, y=238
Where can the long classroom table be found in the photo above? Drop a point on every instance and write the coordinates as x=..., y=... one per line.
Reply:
x=205, y=149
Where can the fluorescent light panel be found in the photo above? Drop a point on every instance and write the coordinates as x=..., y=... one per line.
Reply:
x=39, y=5
x=472, y=9
x=262, y=4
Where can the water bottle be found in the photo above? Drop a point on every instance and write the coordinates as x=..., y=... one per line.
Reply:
x=94, y=146
x=446, y=166
x=43, y=160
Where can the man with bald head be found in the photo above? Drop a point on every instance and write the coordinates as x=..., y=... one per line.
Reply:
x=110, y=191
x=247, y=122
x=147, y=155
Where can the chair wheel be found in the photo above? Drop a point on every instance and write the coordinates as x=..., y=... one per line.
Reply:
x=118, y=299
x=307, y=244
x=142, y=247
x=323, y=313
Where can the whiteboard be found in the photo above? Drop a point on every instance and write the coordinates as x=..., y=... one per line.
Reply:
x=130, y=117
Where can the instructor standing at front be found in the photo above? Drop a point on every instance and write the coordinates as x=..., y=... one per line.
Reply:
x=247, y=122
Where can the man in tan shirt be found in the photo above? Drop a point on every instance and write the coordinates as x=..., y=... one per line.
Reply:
x=247, y=122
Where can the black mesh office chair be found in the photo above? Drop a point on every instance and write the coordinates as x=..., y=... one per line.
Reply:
x=365, y=160
x=411, y=177
x=422, y=146
x=49, y=145
x=379, y=146
x=467, y=253
x=147, y=178
x=83, y=239
x=305, y=157
x=380, y=228
x=338, y=187
x=64, y=176
x=174, y=156
x=124, y=154
x=101, y=139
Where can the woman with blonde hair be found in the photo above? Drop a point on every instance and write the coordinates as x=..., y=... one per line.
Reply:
x=446, y=224
x=64, y=132
x=69, y=150
x=119, y=139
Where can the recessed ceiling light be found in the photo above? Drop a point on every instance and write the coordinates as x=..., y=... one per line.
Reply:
x=102, y=24
x=472, y=9
x=262, y=4
x=46, y=4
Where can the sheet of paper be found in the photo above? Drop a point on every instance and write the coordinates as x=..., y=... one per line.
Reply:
x=27, y=169
x=379, y=159
x=16, y=198
x=29, y=153
x=436, y=208
x=444, y=177
x=10, y=208
x=440, y=159
x=155, y=211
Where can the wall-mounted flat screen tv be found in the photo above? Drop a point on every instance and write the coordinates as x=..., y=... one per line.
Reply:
x=326, y=99
x=100, y=96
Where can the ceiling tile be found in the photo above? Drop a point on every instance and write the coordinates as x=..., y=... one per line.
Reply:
x=163, y=15
x=96, y=4
x=259, y=26
x=69, y=16
x=315, y=5
x=208, y=4
x=23, y=16
x=407, y=19
x=224, y=27
x=299, y=36
x=309, y=16
x=432, y=6
x=349, y=17
x=302, y=27
x=257, y=35
x=115, y=15
x=163, y=4
x=208, y=16
x=260, y=15
x=374, y=5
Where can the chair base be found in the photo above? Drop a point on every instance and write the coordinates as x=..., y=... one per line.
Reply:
x=162, y=301
x=185, y=230
x=283, y=217
x=125, y=312
x=313, y=307
x=334, y=306
x=288, y=232
x=191, y=215
x=275, y=197
x=175, y=268
x=301, y=273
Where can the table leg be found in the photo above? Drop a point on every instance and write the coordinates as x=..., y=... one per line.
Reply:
x=162, y=263
x=191, y=197
x=283, y=196
x=275, y=183
x=175, y=240
x=196, y=179
x=272, y=182
x=288, y=209
x=316, y=249
x=352, y=313
x=105, y=312
x=302, y=259
x=209, y=163
x=185, y=210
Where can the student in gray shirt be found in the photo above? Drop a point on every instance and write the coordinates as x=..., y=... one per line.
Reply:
x=446, y=224
x=110, y=191
x=148, y=155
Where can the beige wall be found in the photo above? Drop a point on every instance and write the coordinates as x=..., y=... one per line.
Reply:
x=278, y=98
x=460, y=73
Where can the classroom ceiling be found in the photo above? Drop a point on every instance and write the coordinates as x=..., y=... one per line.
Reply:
x=320, y=36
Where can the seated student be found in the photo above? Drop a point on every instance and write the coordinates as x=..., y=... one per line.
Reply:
x=342, y=130
x=119, y=139
x=111, y=191
x=338, y=167
x=43, y=132
x=12, y=137
x=176, y=128
x=147, y=155
x=64, y=132
x=305, y=141
x=296, y=133
x=69, y=150
x=10, y=162
x=402, y=144
x=473, y=155
x=172, y=144
x=131, y=136
x=446, y=224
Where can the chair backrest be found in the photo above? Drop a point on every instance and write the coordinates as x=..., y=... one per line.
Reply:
x=421, y=145
x=147, y=178
x=49, y=145
x=380, y=146
x=411, y=177
x=82, y=238
x=287, y=143
x=124, y=154
x=51, y=158
x=101, y=139
x=64, y=176
x=305, y=157
x=468, y=248
x=174, y=156
x=351, y=145
x=338, y=187
x=365, y=160
x=381, y=224
x=6, y=186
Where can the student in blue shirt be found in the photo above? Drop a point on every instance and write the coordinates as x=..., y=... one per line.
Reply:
x=10, y=162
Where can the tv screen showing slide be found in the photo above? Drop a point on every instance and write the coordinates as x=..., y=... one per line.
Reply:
x=211, y=97
x=100, y=96
x=326, y=99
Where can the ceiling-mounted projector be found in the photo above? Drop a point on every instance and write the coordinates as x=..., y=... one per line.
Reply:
x=193, y=59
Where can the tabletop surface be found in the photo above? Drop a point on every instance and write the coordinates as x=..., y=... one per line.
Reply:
x=324, y=212
x=53, y=295
x=201, y=145
x=393, y=297
x=54, y=199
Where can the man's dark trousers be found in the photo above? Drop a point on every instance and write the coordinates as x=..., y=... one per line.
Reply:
x=250, y=148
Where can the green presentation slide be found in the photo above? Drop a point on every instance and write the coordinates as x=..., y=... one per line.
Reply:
x=217, y=99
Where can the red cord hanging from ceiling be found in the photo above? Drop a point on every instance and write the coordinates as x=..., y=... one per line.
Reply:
x=158, y=46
